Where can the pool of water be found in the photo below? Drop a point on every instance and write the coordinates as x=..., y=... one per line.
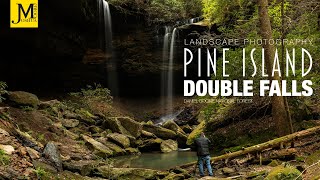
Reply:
x=160, y=161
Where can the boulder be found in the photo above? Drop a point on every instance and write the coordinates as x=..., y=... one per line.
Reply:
x=7, y=149
x=115, y=148
x=70, y=123
x=27, y=139
x=168, y=146
x=131, y=125
x=127, y=173
x=52, y=153
x=21, y=98
x=284, y=172
x=83, y=167
x=150, y=145
x=119, y=139
x=146, y=134
x=114, y=125
x=160, y=131
x=100, y=149
x=196, y=133
x=173, y=126
x=33, y=153
x=182, y=139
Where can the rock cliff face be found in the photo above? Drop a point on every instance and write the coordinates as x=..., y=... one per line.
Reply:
x=66, y=51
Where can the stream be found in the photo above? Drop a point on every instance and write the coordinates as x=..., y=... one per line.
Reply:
x=159, y=161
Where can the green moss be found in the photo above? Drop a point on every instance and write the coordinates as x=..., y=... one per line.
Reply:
x=4, y=158
x=300, y=158
x=284, y=173
x=42, y=174
x=196, y=133
x=313, y=158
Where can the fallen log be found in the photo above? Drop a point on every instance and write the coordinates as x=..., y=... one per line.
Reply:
x=260, y=147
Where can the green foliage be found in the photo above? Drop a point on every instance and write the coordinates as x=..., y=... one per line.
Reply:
x=3, y=91
x=284, y=173
x=89, y=95
x=163, y=10
x=42, y=174
x=4, y=158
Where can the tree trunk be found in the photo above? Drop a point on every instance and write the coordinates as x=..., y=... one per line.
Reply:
x=279, y=113
x=266, y=145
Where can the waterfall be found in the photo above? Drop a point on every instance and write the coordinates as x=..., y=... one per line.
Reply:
x=107, y=26
x=105, y=23
x=170, y=71
x=164, y=74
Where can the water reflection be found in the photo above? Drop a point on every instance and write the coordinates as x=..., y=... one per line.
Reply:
x=160, y=161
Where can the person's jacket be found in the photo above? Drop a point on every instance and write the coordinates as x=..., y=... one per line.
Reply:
x=202, y=144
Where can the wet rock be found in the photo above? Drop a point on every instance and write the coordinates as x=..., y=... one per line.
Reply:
x=228, y=171
x=21, y=98
x=127, y=173
x=119, y=139
x=150, y=145
x=33, y=153
x=100, y=149
x=114, y=125
x=168, y=146
x=82, y=167
x=182, y=139
x=146, y=134
x=131, y=125
x=132, y=151
x=160, y=131
x=7, y=149
x=70, y=123
x=52, y=153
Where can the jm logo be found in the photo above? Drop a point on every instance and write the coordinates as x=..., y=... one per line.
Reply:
x=25, y=14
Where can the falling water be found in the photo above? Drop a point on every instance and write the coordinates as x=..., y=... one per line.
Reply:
x=164, y=75
x=107, y=26
x=170, y=71
x=105, y=22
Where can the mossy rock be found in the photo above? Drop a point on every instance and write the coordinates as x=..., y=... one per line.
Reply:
x=127, y=173
x=168, y=146
x=150, y=145
x=114, y=125
x=21, y=99
x=284, y=173
x=173, y=176
x=133, y=151
x=173, y=126
x=196, y=133
x=132, y=126
x=98, y=148
x=119, y=139
x=160, y=131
